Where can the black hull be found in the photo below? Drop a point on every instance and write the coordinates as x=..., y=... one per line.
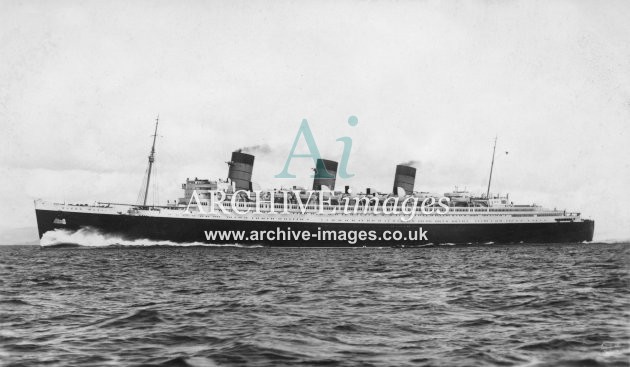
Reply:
x=187, y=230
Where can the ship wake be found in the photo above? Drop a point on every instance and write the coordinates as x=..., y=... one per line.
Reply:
x=91, y=237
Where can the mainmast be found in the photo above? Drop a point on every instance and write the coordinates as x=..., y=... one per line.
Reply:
x=151, y=160
x=491, y=167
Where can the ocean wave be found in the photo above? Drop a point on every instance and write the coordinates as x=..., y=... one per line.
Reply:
x=91, y=237
x=14, y=302
x=139, y=318
x=541, y=305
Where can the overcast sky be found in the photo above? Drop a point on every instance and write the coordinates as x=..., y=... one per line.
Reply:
x=81, y=83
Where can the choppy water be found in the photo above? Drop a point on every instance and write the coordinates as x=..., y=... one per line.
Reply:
x=453, y=306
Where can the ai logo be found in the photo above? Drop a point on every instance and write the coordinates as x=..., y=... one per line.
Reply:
x=305, y=131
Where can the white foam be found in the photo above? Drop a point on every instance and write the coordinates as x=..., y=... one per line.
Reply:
x=90, y=237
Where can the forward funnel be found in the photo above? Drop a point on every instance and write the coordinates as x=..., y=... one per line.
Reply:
x=240, y=171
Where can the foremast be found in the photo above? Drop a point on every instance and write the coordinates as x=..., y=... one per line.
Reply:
x=147, y=179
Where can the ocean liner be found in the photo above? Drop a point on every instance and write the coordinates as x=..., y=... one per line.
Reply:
x=230, y=211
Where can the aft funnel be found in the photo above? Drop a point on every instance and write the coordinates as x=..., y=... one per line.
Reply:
x=405, y=178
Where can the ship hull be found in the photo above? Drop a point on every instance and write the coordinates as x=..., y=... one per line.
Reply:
x=189, y=230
